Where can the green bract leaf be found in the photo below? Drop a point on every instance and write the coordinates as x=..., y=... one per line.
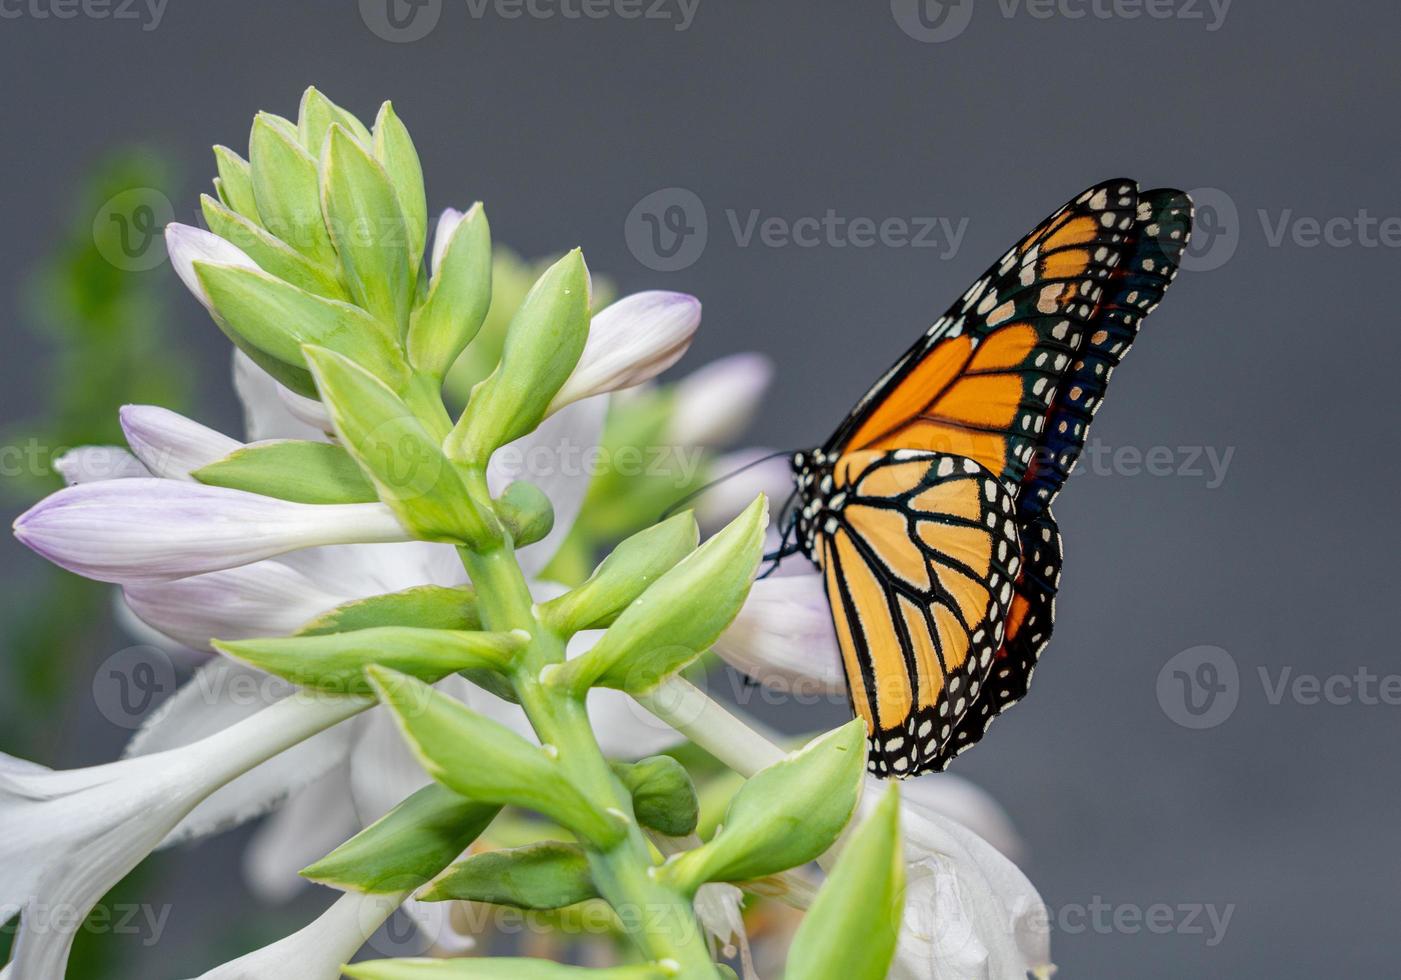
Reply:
x=367, y=228
x=236, y=183
x=485, y=760
x=547, y=875
x=850, y=933
x=502, y=968
x=316, y=116
x=623, y=576
x=336, y=662
x=663, y=796
x=277, y=318
x=395, y=450
x=525, y=512
x=306, y=472
x=407, y=846
x=273, y=255
x=679, y=617
x=395, y=152
x=785, y=816
x=543, y=344
x=425, y=606
x=286, y=187
x=459, y=296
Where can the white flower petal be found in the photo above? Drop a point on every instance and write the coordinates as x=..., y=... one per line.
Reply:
x=266, y=411
x=139, y=530
x=558, y=457
x=383, y=770
x=442, y=235
x=716, y=402
x=741, y=476
x=187, y=245
x=309, y=411
x=315, y=821
x=783, y=637
x=317, y=951
x=954, y=797
x=632, y=341
x=171, y=445
x=90, y=464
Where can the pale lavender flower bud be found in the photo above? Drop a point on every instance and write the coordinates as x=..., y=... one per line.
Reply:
x=187, y=245
x=171, y=445
x=717, y=402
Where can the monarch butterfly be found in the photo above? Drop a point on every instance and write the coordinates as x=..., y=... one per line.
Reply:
x=928, y=510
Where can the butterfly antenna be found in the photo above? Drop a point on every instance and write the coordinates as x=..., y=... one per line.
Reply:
x=788, y=520
x=719, y=480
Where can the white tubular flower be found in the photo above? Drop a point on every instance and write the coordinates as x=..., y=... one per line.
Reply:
x=67, y=837
x=317, y=951
x=632, y=341
x=187, y=245
x=784, y=638
x=170, y=445
x=90, y=464
x=139, y=530
x=715, y=403
x=267, y=405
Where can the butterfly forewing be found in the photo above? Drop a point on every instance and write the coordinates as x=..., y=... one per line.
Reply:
x=919, y=553
x=979, y=384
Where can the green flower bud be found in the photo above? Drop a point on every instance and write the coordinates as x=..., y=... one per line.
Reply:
x=501, y=767
x=235, y=184
x=425, y=606
x=543, y=343
x=407, y=846
x=623, y=576
x=547, y=875
x=367, y=228
x=316, y=116
x=526, y=513
x=396, y=452
x=459, y=296
x=663, y=796
x=287, y=188
x=785, y=816
x=395, y=152
x=678, y=618
x=305, y=472
x=272, y=254
x=336, y=662
x=851, y=931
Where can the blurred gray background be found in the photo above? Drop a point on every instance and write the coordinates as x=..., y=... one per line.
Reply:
x=1280, y=351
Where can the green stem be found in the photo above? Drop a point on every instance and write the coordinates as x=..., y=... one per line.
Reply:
x=659, y=919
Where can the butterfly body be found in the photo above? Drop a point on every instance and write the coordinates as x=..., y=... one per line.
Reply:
x=927, y=511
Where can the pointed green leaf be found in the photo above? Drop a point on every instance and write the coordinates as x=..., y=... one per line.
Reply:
x=287, y=189
x=484, y=759
x=395, y=451
x=543, y=344
x=498, y=968
x=785, y=816
x=624, y=575
x=367, y=228
x=406, y=847
x=663, y=795
x=863, y=897
x=277, y=318
x=316, y=116
x=305, y=472
x=336, y=662
x=236, y=183
x=679, y=617
x=273, y=255
x=459, y=296
x=395, y=152
x=547, y=875
x=426, y=606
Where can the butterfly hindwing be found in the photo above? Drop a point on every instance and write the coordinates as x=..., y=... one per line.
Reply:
x=980, y=382
x=919, y=554
x=1162, y=227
